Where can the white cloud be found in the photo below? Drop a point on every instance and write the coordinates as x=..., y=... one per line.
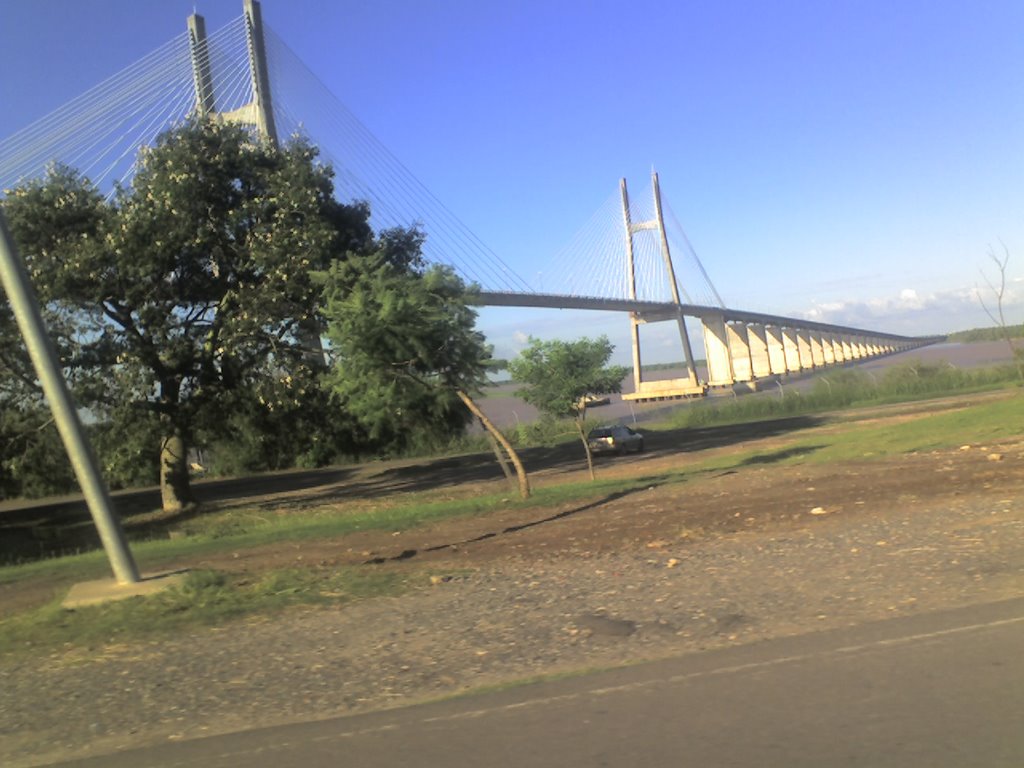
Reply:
x=909, y=296
x=915, y=313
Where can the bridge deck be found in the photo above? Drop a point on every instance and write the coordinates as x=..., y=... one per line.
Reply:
x=655, y=310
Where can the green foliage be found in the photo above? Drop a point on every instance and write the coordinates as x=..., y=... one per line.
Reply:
x=546, y=431
x=191, y=286
x=32, y=458
x=558, y=374
x=404, y=342
x=285, y=422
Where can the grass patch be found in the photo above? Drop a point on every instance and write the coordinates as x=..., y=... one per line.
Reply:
x=845, y=389
x=976, y=424
x=245, y=528
x=205, y=598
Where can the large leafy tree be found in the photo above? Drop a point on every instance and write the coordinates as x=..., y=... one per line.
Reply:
x=559, y=375
x=408, y=359
x=188, y=293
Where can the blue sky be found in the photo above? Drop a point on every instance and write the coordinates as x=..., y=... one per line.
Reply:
x=851, y=161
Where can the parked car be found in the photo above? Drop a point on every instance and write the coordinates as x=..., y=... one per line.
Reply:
x=615, y=439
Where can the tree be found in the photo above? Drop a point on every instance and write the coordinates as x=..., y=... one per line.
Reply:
x=998, y=317
x=559, y=375
x=408, y=359
x=191, y=289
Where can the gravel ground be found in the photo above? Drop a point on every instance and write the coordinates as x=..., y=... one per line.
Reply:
x=513, y=618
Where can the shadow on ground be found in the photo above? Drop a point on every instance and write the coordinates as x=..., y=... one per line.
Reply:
x=410, y=553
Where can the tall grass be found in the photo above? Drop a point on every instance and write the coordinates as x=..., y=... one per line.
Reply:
x=846, y=389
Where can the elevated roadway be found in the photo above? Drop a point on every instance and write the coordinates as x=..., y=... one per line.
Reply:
x=739, y=346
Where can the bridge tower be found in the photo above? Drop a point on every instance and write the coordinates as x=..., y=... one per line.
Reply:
x=259, y=112
x=665, y=388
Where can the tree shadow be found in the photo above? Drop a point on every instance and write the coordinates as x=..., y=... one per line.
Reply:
x=689, y=439
x=780, y=455
x=410, y=553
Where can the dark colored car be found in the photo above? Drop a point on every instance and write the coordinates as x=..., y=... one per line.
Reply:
x=615, y=439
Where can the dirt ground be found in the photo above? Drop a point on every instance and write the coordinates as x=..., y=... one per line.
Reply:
x=726, y=557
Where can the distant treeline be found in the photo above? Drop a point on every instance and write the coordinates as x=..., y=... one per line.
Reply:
x=988, y=334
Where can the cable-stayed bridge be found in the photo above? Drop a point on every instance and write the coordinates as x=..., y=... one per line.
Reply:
x=632, y=256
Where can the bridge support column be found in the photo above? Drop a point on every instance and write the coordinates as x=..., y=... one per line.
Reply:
x=776, y=349
x=844, y=341
x=757, y=340
x=817, y=349
x=837, y=348
x=634, y=323
x=789, y=345
x=739, y=349
x=828, y=351
x=803, y=345
x=716, y=351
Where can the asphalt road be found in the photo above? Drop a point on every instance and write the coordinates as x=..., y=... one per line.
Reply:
x=941, y=689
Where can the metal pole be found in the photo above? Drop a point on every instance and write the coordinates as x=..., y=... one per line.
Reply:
x=21, y=296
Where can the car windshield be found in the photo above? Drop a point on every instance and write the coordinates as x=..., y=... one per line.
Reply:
x=603, y=432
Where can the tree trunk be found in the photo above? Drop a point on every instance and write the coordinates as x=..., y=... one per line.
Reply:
x=308, y=336
x=175, y=491
x=524, y=482
x=496, y=447
x=586, y=447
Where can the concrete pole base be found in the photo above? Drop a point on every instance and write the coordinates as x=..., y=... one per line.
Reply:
x=107, y=590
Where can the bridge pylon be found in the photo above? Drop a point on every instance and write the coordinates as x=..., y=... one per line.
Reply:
x=259, y=112
x=688, y=386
